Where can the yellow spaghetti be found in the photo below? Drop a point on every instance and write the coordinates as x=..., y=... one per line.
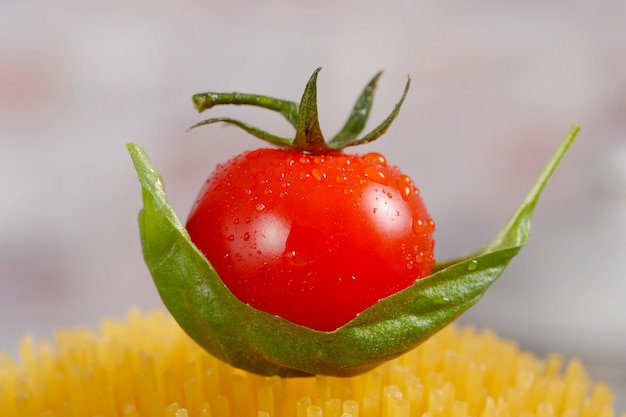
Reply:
x=145, y=366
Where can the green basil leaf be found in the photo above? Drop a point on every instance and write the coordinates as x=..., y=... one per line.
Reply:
x=269, y=345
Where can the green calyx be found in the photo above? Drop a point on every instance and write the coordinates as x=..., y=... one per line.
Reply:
x=304, y=117
x=265, y=344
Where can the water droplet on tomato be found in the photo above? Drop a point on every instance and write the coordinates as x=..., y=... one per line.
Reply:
x=248, y=220
x=231, y=238
x=375, y=174
x=418, y=225
x=236, y=221
x=318, y=174
x=341, y=178
x=376, y=158
x=343, y=160
x=260, y=207
x=405, y=186
x=405, y=192
x=405, y=179
x=246, y=236
x=296, y=259
x=410, y=264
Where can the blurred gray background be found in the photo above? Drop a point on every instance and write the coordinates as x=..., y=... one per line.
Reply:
x=496, y=85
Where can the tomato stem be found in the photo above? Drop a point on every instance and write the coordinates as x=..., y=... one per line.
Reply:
x=360, y=113
x=304, y=117
x=340, y=142
x=308, y=133
x=289, y=109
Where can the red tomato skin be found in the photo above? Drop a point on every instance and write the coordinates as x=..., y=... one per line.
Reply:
x=315, y=239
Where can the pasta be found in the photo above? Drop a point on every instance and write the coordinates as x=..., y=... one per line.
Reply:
x=145, y=366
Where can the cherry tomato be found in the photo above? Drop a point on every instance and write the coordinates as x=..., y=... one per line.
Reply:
x=313, y=238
